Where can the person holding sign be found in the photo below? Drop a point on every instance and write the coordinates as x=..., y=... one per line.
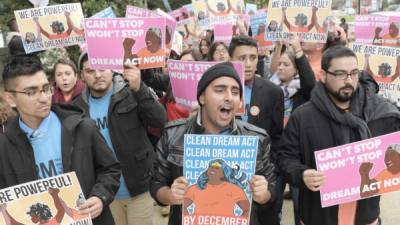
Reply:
x=48, y=140
x=392, y=171
x=343, y=108
x=122, y=107
x=221, y=8
x=219, y=94
x=264, y=108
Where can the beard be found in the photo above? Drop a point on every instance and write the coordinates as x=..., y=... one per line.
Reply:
x=339, y=95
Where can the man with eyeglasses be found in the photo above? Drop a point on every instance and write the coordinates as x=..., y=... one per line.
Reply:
x=46, y=141
x=344, y=108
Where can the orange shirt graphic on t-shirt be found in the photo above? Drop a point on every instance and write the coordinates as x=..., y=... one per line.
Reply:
x=390, y=41
x=298, y=29
x=58, y=36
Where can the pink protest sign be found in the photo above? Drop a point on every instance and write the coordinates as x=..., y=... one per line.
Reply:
x=378, y=30
x=111, y=42
x=170, y=28
x=185, y=75
x=133, y=11
x=223, y=33
x=360, y=170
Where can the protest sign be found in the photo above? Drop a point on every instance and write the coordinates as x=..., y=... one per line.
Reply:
x=177, y=44
x=105, y=13
x=251, y=9
x=169, y=29
x=50, y=27
x=383, y=63
x=179, y=14
x=309, y=19
x=138, y=41
x=133, y=11
x=185, y=75
x=377, y=30
x=223, y=33
x=370, y=168
x=218, y=169
x=60, y=196
x=258, y=28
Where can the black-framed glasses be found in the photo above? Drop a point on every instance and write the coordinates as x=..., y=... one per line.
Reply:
x=343, y=75
x=35, y=93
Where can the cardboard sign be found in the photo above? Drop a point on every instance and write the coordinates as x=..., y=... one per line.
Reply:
x=309, y=19
x=50, y=27
x=138, y=41
x=218, y=168
x=185, y=75
x=369, y=166
x=59, y=195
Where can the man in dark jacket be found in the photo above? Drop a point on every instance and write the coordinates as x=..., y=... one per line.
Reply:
x=264, y=107
x=344, y=108
x=122, y=111
x=45, y=141
x=219, y=94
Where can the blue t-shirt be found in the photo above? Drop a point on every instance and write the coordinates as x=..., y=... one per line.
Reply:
x=98, y=108
x=247, y=98
x=46, y=144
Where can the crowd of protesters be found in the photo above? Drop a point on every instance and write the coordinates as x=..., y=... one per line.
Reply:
x=123, y=133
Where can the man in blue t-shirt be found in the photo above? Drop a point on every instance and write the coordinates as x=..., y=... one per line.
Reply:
x=122, y=107
x=45, y=141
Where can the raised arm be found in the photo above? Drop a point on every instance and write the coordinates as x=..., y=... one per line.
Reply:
x=45, y=33
x=70, y=24
x=366, y=66
x=364, y=170
x=8, y=219
x=314, y=19
x=284, y=18
x=57, y=202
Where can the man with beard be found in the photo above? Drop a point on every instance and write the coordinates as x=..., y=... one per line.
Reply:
x=344, y=108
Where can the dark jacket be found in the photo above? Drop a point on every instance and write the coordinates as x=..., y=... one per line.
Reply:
x=307, y=82
x=170, y=152
x=269, y=99
x=129, y=114
x=83, y=151
x=312, y=127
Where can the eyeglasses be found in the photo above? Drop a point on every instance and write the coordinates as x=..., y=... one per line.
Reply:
x=35, y=93
x=343, y=75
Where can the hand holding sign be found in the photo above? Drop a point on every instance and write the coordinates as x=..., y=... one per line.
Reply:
x=259, y=187
x=313, y=179
x=132, y=75
x=92, y=206
x=178, y=189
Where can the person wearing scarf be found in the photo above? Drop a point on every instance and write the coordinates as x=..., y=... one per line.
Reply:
x=296, y=79
x=344, y=108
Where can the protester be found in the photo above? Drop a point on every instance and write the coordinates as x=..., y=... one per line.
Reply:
x=296, y=79
x=54, y=140
x=343, y=24
x=67, y=84
x=204, y=48
x=218, y=52
x=219, y=94
x=263, y=107
x=344, y=108
x=122, y=106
